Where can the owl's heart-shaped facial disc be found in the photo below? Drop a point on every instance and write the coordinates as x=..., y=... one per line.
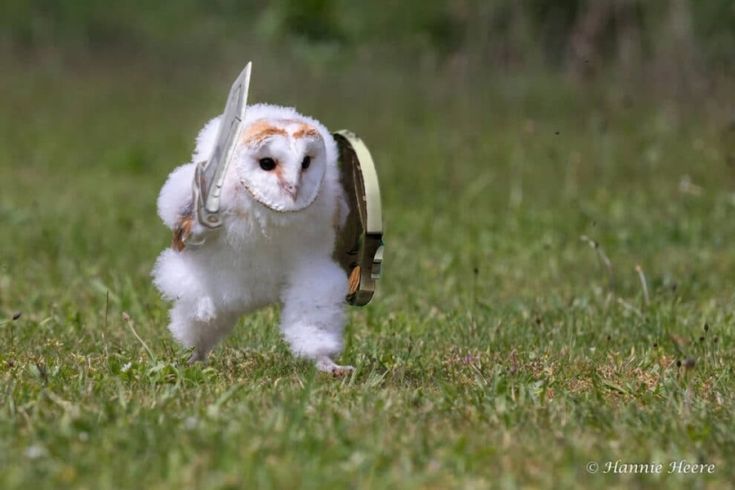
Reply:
x=282, y=163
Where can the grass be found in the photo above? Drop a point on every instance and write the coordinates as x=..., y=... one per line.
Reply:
x=510, y=343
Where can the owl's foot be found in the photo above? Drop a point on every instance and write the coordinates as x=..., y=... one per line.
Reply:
x=327, y=365
x=205, y=309
x=197, y=356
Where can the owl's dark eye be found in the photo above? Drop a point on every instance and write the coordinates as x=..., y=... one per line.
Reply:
x=306, y=162
x=267, y=164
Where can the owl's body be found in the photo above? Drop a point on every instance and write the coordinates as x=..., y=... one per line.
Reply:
x=282, y=206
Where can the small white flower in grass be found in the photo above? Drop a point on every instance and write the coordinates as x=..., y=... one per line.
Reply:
x=126, y=367
x=35, y=451
x=191, y=423
x=356, y=460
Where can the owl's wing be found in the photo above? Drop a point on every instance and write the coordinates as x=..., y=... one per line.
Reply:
x=342, y=210
x=206, y=139
x=175, y=198
x=175, y=201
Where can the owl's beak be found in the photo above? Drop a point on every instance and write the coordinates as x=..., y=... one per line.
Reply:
x=291, y=189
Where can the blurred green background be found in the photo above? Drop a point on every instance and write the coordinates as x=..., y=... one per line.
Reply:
x=669, y=40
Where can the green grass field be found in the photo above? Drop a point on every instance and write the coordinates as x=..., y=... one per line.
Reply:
x=511, y=342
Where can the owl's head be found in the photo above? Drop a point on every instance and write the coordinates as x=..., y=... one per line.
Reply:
x=282, y=157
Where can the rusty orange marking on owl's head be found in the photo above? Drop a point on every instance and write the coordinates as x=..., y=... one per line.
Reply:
x=259, y=131
x=306, y=131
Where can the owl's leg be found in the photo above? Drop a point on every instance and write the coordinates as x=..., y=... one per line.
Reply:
x=313, y=314
x=198, y=325
x=196, y=321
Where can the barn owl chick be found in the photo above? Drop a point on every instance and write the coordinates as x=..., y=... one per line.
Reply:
x=282, y=205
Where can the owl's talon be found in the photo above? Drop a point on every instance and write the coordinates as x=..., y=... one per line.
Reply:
x=196, y=357
x=327, y=365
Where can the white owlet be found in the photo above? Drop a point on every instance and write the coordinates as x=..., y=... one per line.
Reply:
x=282, y=205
